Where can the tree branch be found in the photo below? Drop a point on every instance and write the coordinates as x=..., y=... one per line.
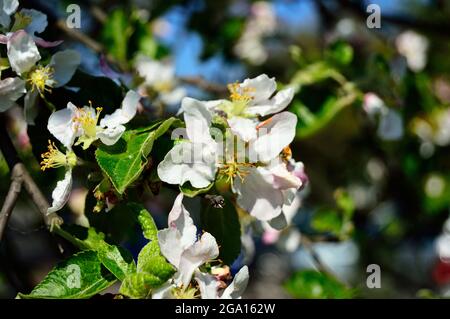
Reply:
x=205, y=85
x=19, y=177
x=11, y=199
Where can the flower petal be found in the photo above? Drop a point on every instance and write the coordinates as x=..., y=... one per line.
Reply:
x=198, y=120
x=237, y=286
x=38, y=21
x=257, y=196
x=11, y=89
x=243, y=127
x=173, y=97
x=180, y=219
x=46, y=44
x=22, y=52
x=188, y=162
x=274, y=136
x=276, y=104
x=126, y=112
x=110, y=135
x=61, y=193
x=284, y=179
x=391, y=126
x=61, y=125
x=154, y=71
x=169, y=242
x=164, y=292
x=207, y=285
x=202, y=251
x=260, y=88
x=64, y=64
x=10, y=6
x=7, y=9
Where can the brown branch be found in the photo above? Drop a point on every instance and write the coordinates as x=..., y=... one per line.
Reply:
x=11, y=198
x=20, y=177
x=205, y=85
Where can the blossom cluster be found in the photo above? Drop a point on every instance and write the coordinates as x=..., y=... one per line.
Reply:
x=238, y=147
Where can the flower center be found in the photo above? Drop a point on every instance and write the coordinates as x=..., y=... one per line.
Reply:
x=87, y=120
x=239, y=94
x=54, y=158
x=235, y=169
x=189, y=293
x=41, y=79
x=240, y=97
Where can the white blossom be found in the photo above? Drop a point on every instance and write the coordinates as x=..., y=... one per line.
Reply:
x=82, y=124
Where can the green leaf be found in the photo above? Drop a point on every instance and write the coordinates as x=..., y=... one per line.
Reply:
x=124, y=161
x=340, y=53
x=117, y=260
x=310, y=284
x=139, y=285
x=146, y=221
x=152, y=268
x=81, y=276
x=327, y=220
x=189, y=191
x=116, y=32
x=223, y=224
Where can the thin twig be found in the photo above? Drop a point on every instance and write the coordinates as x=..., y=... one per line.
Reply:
x=11, y=199
x=205, y=85
x=38, y=198
x=20, y=177
x=307, y=243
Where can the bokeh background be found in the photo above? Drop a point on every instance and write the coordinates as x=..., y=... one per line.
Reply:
x=373, y=133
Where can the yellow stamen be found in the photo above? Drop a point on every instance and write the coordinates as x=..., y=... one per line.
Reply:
x=188, y=293
x=41, y=79
x=88, y=121
x=240, y=94
x=54, y=158
x=232, y=170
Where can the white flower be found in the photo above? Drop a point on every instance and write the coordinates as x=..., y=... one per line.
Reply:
x=22, y=52
x=250, y=99
x=11, y=89
x=54, y=158
x=72, y=123
x=194, y=159
x=181, y=248
x=262, y=180
x=413, y=47
x=209, y=285
x=373, y=104
x=160, y=77
x=269, y=183
x=42, y=79
x=7, y=8
x=262, y=23
x=390, y=126
x=23, y=55
x=262, y=183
